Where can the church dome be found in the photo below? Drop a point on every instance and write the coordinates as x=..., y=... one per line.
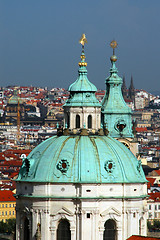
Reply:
x=82, y=84
x=81, y=159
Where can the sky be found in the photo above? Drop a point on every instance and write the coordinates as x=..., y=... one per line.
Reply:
x=39, y=41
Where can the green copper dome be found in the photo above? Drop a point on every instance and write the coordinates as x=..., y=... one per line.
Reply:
x=15, y=99
x=82, y=91
x=81, y=159
x=82, y=84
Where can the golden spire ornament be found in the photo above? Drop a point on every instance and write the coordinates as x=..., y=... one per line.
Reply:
x=113, y=45
x=83, y=39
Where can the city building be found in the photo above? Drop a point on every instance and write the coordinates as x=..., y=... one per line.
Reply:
x=154, y=206
x=81, y=183
x=7, y=205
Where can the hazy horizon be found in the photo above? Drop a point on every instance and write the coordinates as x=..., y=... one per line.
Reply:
x=39, y=41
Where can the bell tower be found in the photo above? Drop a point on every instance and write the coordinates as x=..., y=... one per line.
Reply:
x=116, y=115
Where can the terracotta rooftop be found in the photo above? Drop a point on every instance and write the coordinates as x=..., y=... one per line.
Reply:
x=134, y=237
x=141, y=129
x=155, y=196
x=150, y=182
x=7, y=196
x=18, y=151
x=157, y=171
x=151, y=148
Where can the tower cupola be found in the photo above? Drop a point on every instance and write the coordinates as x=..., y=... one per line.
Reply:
x=82, y=109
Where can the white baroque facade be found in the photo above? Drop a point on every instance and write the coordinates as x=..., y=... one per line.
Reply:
x=84, y=209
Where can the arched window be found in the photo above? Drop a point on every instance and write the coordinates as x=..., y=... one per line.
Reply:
x=26, y=229
x=110, y=230
x=89, y=121
x=77, y=121
x=68, y=120
x=63, y=231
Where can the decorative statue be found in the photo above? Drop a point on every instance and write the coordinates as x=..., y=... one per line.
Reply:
x=38, y=232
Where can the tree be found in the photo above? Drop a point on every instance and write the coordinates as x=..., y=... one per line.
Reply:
x=156, y=223
x=149, y=225
x=3, y=227
x=9, y=226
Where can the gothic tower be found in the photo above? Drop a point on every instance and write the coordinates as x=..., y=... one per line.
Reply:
x=131, y=91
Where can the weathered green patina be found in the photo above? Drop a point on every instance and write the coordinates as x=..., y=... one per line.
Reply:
x=87, y=198
x=82, y=91
x=81, y=159
x=116, y=114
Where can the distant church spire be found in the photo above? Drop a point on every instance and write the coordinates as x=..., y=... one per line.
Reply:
x=131, y=91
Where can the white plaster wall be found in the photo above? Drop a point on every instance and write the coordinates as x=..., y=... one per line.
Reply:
x=84, y=112
x=101, y=201
x=83, y=190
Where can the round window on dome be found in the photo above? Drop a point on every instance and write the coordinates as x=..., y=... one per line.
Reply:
x=63, y=165
x=109, y=166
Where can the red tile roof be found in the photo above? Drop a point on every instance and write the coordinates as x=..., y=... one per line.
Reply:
x=151, y=182
x=14, y=174
x=141, y=129
x=134, y=237
x=128, y=100
x=151, y=148
x=157, y=171
x=155, y=196
x=18, y=151
x=12, y=163
x=7, y=196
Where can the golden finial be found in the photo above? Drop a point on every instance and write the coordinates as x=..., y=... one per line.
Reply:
x=113, y=45
x=83, y=39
